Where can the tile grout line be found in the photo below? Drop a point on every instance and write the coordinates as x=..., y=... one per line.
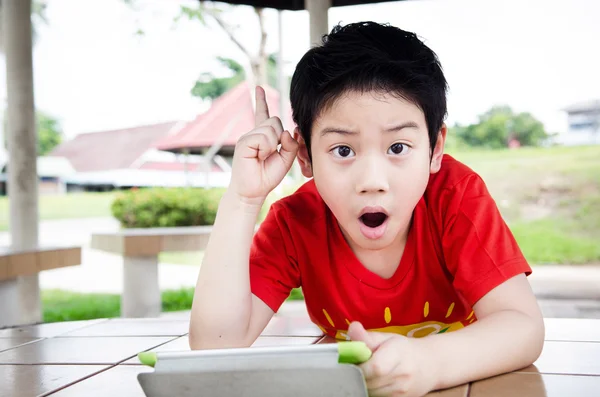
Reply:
x=54, y=364
x=572, y=341
x=77, y=381
x=123, y=362
x=23, y=344
x=555, y=373
x=110, y=366
x=319, y=337
x=50, y=335
x=98, y=321
x=118, y=336
x=319, y=340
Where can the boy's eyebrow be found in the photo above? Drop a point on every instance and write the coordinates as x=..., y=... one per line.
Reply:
x=396, y=128
x=335, y=130
x=407, y=124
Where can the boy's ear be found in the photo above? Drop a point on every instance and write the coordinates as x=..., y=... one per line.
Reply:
x=438, y=151
x=303, y=159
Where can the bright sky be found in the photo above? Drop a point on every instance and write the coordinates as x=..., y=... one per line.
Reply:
x=93, y=73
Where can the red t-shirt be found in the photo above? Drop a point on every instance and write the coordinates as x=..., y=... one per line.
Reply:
x=458, y=249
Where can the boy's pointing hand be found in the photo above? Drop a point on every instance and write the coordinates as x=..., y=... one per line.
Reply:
x=396, y=368
x=258, y=167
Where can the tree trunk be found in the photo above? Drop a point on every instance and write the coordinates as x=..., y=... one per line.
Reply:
x=259, y=64
x=259, y=70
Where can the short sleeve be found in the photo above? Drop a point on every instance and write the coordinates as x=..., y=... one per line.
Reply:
x=479, y=248
x=273, y=265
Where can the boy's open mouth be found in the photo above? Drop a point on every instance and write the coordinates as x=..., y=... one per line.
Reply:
x=373, y=219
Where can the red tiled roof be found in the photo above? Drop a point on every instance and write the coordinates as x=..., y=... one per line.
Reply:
x=109, y=150
x=233, y=111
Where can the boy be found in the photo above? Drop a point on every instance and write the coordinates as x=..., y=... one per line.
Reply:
x=390, y=235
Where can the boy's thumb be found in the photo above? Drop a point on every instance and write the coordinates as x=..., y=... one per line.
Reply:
x=357, y=332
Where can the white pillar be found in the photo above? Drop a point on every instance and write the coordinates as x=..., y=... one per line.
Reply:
x=281, y=80
x=186, y=158
x=282, y=87
x=22, y=146
x=319, y=24
x=9, y=308
x=62, y=186
x=141, y=292
x=3, y=152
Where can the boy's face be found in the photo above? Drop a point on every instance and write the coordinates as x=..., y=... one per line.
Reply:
x=371, y=160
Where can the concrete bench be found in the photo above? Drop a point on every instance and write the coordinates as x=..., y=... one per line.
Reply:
x=26, y=262
x=140, y=249
x=16, y=263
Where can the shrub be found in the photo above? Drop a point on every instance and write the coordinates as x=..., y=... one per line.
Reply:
x=277, y=194
x=162, y=207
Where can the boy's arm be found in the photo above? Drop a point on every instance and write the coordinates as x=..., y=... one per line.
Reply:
x=480, y=250
x=225, y=313
x=508, y=335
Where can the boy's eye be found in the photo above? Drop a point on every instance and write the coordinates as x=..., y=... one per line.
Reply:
x=398, y=148
x=342, y=151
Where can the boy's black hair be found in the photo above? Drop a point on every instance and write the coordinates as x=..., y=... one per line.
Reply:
x=365, y=57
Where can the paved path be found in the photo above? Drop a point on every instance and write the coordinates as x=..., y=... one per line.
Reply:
x=566, y=281
x=567, y=291
x=68, y=231
x=563, y=291
x=99, y=271
x=103, y=272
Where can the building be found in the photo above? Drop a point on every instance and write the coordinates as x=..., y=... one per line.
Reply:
x=219, y=128
x=173, y=154
x=583, y=120
x=212, y=136
x=126, y=158
x=52, y=175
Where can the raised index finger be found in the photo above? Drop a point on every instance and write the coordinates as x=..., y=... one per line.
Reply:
x=262, y=109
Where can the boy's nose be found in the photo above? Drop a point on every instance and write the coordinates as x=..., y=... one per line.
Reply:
x=372, y=176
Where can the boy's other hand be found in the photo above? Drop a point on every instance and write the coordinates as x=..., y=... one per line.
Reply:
x=398, y=366
x=258, y=167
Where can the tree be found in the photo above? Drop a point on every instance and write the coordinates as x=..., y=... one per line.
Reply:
x=500, y=125
x=210, y=87
x=50, y=133
x=258, y=61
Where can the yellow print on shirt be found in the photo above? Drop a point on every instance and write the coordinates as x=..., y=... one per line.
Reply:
x=418, y=330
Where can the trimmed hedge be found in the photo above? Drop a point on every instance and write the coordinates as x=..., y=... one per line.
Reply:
x=166, y=207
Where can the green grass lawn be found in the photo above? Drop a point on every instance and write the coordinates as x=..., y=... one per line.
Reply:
x=65, y=206
x=71, y=306
x=550, y=198
x=182, y=258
